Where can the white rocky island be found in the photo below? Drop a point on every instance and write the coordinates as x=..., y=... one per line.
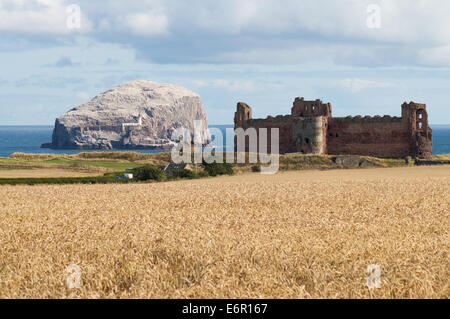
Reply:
x=135, y=115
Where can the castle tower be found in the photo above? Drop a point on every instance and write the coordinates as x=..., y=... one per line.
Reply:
x=415, y=118
x=243, y=113
x=302, y=108
x=309, y=126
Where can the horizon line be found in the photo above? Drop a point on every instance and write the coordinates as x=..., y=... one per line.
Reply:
x=230, y=124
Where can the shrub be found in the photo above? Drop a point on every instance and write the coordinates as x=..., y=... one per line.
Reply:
x=185, y=173
x=62, y=180
x=201, y=174
x=215, y=169
x=149, y=172
x=256, y=168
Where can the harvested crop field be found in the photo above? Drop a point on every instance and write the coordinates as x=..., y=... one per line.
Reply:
x=301, y=234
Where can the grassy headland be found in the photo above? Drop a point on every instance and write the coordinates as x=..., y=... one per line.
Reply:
x=102, y=167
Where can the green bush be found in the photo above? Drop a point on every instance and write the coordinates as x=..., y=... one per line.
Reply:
x=149, y=172
x=215, y=169
x=202, y=174
x=185, y=173
x=62, y=180
x=256, y=168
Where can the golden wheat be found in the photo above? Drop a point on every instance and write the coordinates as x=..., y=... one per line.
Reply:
x=302, y=234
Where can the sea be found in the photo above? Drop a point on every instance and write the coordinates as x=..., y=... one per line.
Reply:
x=28, y=139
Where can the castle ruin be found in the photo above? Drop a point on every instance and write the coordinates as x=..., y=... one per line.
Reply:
x=311, y=129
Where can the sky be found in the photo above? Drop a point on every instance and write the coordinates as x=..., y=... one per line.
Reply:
x=364, y=57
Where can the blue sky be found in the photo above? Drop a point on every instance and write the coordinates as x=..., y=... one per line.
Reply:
x=262, y=52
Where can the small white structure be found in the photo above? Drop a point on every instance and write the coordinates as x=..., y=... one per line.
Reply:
x=139, y=123
x=128, y=175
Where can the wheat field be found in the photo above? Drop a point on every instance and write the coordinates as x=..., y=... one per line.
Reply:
x=301, y=234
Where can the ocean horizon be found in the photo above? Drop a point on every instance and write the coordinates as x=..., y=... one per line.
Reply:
x=29, y=138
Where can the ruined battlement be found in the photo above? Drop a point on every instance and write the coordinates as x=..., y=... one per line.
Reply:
x=269, y=119
x=302, y=108
x=369, y=119
x=311, y=129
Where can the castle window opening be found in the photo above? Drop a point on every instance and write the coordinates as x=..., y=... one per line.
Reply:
x=421, y=119
x=307, y=140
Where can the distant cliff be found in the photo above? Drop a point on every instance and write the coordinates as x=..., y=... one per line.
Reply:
x=135, y=115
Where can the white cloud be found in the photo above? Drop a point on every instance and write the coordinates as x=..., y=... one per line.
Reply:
x=344, y=19
x=252, y=31
x=356, y=85
x=267, y=31
x=39, y=16
x=229, y=85
x=226, y=17
x=147, y=23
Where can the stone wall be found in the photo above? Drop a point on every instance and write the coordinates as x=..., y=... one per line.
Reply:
x=282, y=123
x=373, y=136
x=311, y=129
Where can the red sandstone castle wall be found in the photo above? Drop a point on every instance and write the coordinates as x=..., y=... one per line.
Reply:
x=374, y=136
x=379, y=136
x=283, y=123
